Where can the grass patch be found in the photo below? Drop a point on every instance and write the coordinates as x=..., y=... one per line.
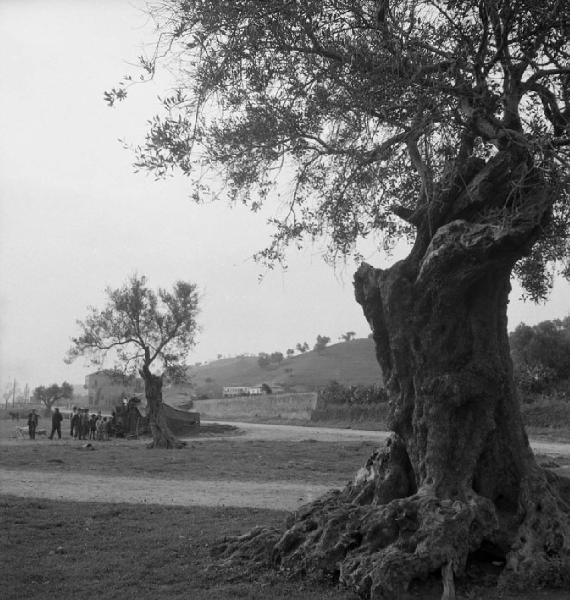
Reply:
x=74, y=551
x=316, y=462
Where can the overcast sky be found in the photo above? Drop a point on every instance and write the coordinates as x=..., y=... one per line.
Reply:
x=75, y=218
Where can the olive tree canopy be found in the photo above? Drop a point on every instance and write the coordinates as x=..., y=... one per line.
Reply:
x=368, y=109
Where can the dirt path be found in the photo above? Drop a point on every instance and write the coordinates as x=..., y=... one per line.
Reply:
x=279, y=495
x=296, y=433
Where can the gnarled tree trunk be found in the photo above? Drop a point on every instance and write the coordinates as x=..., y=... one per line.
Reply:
x=458, y=475
x=162, y=436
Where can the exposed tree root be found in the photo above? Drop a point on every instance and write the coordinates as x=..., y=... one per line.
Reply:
x=379, y=535
x=164, y=438
x=167, y=445
x=540, y=552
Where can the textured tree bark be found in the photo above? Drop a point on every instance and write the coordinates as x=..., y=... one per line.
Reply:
x=458, y=474
x=162, y=436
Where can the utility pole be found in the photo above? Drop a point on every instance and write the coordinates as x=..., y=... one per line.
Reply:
x=14, y=394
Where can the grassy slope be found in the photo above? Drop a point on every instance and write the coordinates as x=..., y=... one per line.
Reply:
x=349, y=363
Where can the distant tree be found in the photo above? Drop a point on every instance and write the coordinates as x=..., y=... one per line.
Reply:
x=302, y=348
x=263, y=360
x=266, y=389
x=348, y=336
x=321, y=343
x=48, y=396
x=138, y=328
x=290, y=352
x=219, y=356
x=276, y=357
x=12, y=393
x=541, y=353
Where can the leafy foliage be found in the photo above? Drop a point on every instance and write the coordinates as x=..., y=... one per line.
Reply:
x=263, y=360
x=49, y=395
x=541, y=354
x=276, y=357
x=139, y=326
x=366, y=111
x=358, y=395
x=321, y=343
x=302, y=347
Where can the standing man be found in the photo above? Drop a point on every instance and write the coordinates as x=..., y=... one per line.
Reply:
x=56, y=420
x=32, y=423
x=74, y=423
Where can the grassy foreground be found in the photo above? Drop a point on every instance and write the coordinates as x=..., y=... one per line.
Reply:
x=317, y=462
x=83, y=551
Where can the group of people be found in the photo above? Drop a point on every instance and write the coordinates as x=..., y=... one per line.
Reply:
x=82, y=425
x=89, y=427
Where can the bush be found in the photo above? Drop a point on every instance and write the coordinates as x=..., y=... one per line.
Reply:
x=547, y=413
x=541, y=354
x=336, y=393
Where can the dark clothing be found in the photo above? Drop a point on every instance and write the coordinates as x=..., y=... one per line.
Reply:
x=56, y=420
x=54, y=428
x=83, y=426
x=74, y=432
x=32, y=425
x=93, y=427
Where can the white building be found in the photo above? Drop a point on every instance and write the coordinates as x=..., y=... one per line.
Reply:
x=241, y=390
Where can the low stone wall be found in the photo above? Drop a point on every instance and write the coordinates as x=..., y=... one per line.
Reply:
x=284, y=406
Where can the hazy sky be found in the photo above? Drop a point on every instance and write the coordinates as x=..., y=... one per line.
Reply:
x=75, y=218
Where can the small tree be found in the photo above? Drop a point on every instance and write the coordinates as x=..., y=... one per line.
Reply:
x=290, y=352
x=302, y=348
x=348, y=336
x=49, y=395
x=140, y=328
x=321, y=344
x=276, y=357
x=263, y=360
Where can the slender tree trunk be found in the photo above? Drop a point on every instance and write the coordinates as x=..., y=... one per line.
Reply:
x=162, y=436
x=458, y=475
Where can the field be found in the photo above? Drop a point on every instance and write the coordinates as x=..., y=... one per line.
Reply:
x=84, y=550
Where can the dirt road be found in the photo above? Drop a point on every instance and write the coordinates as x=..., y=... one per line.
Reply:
x=284, y=495
x=296, y=433
x=81, y=487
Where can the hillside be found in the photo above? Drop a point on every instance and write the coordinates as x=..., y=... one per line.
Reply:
x=348, y=363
